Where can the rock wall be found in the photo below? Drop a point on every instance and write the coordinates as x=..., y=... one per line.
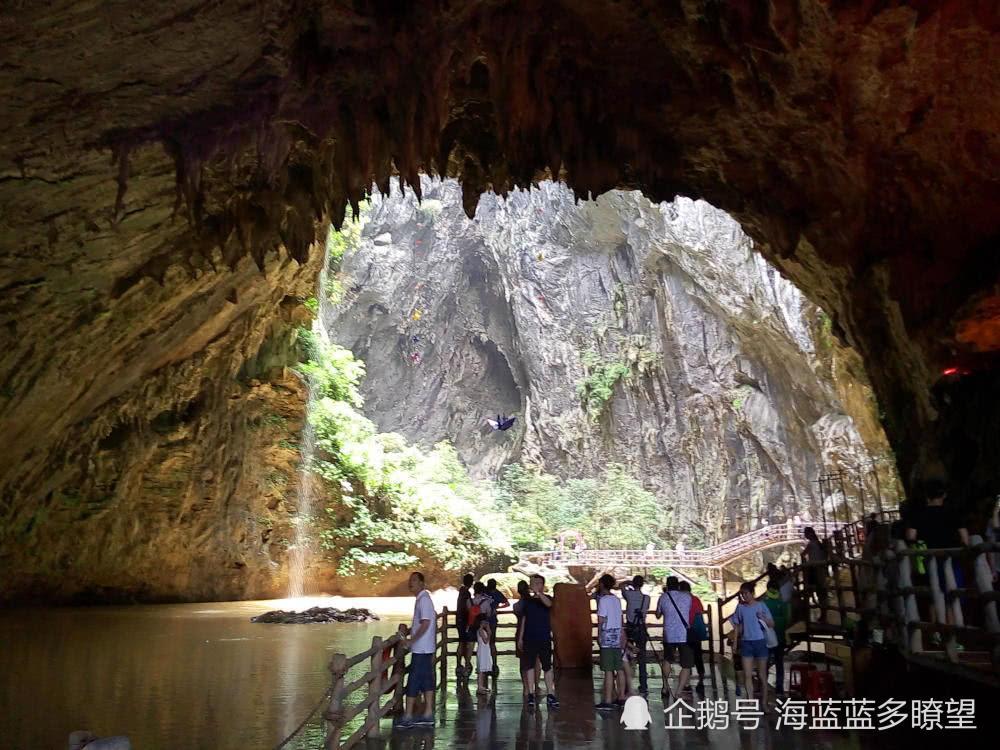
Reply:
x=145, y=401
x=730, y=412
x=153, y=162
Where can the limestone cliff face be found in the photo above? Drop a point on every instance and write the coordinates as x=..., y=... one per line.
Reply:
x=729, y=413
x=145, y=399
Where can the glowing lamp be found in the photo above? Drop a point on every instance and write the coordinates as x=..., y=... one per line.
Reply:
x=950, y=371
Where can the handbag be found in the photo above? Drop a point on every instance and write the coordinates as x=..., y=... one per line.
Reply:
x=769, y=633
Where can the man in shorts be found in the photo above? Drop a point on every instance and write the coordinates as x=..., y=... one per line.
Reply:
x=611, y=639
x=674, y=609
x=534, y=641
x=419, y=638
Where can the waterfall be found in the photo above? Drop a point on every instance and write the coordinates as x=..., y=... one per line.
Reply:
x=299, y=552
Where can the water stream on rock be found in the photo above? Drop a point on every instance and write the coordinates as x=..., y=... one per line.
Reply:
x=299, y=552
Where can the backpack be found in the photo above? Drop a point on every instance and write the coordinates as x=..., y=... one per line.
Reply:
x=473, y=615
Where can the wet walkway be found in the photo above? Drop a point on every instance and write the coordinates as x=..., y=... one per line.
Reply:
x=465, y=720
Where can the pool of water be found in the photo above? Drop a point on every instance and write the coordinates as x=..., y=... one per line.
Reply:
x=187, y=675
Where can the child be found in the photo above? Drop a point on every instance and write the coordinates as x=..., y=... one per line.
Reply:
x=484, y=657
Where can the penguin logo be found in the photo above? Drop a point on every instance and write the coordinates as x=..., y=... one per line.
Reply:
x=635, y=715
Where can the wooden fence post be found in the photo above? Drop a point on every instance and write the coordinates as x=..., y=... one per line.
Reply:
x=334, y=712
x=955, y=606
x=912, y=642
x=721, y=620
x=375, y=686
x=399, y=654
x=984, y=585
x=444, y=647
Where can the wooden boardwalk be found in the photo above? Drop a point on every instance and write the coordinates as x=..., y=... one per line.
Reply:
x=870, y=599
x=712, y=559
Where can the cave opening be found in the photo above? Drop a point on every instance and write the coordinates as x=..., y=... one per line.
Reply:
x=671, y=389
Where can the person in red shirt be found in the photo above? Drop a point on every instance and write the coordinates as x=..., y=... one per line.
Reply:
x=697, y=614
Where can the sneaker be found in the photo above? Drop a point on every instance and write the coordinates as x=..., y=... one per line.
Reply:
x=531, y=700
x=424, y=721
x=620, y=703
x=404, y=722
x=605, y=706
x=551, y=701
x=700, y=689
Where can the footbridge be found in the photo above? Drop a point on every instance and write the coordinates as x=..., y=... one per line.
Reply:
x=712, y=559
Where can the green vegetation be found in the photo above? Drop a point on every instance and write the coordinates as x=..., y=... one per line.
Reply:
x=597, y=388
x=338, y=243
x=613, y=512
x=429, y=209
x=740, y=396
x=415, y=502
x=825, y=331
x=419, y=504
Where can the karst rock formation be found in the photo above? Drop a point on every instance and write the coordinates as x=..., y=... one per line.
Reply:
x=165, y=171
x=731, y=410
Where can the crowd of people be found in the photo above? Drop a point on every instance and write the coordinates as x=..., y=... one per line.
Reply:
x=759, y=623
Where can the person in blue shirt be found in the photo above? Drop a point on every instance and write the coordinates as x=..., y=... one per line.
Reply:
x=534, y=641
x=749, y=621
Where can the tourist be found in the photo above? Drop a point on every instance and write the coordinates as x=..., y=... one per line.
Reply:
x=749, y=622
x=482, y=603
x=466, y=634
x=535, y=641
x=780, y=614
x=484, y=656
x=935, y=526
x=500, y=601
x=697, y=632
x=786, y=586
x=523, y=593
x=675, y=634
x=814, y=561
x=420, y=639
x=636, y=607
x=610, y=639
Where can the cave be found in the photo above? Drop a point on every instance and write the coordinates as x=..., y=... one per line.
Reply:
x=172, y=176
x=168, y=177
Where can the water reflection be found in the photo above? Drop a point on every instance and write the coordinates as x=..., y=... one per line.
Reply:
x=194, y=676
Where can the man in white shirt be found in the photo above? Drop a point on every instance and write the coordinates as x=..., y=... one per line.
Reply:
x=420, y=639
x=611, y=639
x=674, y=608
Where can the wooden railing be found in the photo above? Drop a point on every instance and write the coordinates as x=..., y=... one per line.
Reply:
x=364, y=695
x=378, y=692
x=709, y=557
x=871, y=597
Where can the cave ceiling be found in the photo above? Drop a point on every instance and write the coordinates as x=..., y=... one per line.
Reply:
x=856, y=142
